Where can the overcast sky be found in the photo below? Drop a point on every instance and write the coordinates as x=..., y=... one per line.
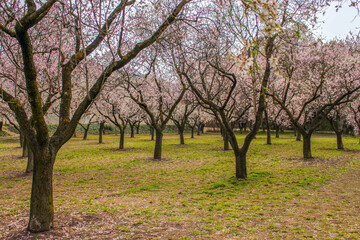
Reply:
x=339, y=24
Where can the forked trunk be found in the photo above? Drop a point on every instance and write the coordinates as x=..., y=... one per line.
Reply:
x=158, y=145
x=339, y=140
x=41, y=204
x=122, y=139
x=307, y=146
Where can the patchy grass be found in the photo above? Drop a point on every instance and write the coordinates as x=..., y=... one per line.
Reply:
x=102, y=193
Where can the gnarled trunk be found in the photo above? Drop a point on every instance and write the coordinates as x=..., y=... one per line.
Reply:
x=158, y=144
x=41, y=204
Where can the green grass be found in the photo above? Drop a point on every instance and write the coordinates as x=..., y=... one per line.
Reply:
x=192, y=194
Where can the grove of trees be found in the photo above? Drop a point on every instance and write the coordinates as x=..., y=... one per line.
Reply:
x=238, y=64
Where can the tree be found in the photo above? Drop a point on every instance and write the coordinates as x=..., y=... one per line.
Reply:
x=181, y=114
x=84, y=31
x=157, y=97
x=324, y=77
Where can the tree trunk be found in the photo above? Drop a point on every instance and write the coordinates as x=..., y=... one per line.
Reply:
x=268, y=133
x=226, y=141
x=41, y=204
x=74, y=135
x=132, y=134
x=198, y=130
x=122, y=139
x=192, y=132
x=240, y=165
x=268, y=138
x=307, y=146
x=1, y=125
x=277, y=131
x=138, y=128
x=101, y=131
x=86, y=130
x=182, y=140
x=152, y=133
x=158, y=145
x=25, y=145
x=298, y=136
x=339, y=140
x=30, y=161
x=21, y=139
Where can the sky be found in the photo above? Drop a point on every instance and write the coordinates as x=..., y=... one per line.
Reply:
x=339, y=24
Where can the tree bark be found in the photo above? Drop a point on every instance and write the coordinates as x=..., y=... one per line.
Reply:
x=132, y=133
x=21, y=139
x=226, y=140
x=25, y=145
x=298, y=136
x=152, y=132
x=86, y=130
x=182, y=140
x=30, y=161
x=277, y=131
x=240, y=165
x=339, y=140
x=192, y=132
x=158, y=144
x=122, y=139
x=138, y=128
x=198, y=130
x=41, y=205
x=101, y=131
x=307, y=146
x=268, y=138
x=1, y=125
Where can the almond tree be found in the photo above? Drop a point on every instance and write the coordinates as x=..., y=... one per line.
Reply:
x=157, y=96
x=181, y=114
x=83, y=29
x=324, y=77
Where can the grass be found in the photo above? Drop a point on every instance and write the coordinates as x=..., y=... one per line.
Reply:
x=100, y=192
